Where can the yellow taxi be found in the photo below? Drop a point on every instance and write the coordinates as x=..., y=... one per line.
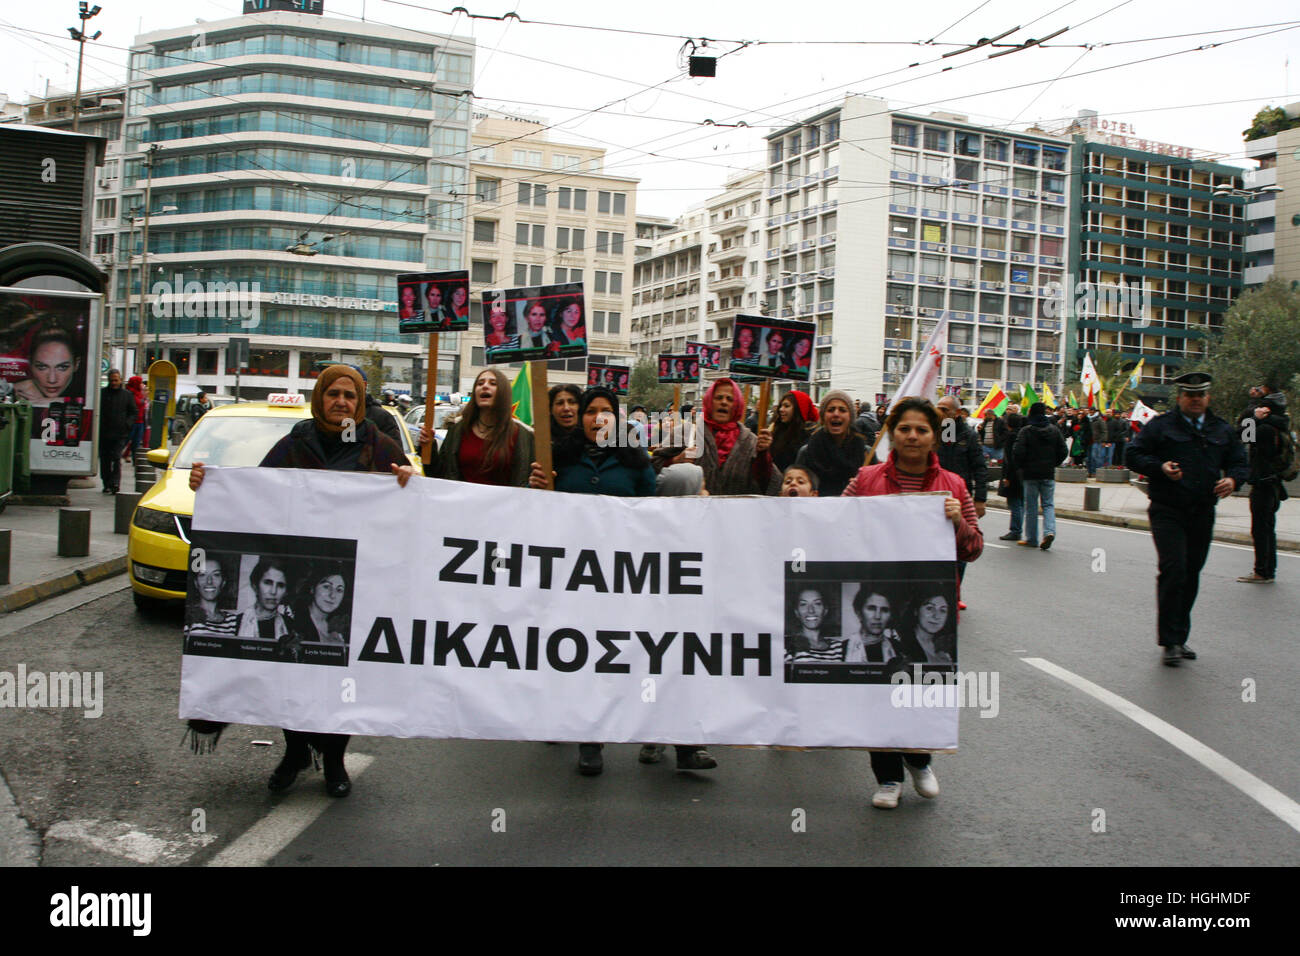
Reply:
x=236, y=435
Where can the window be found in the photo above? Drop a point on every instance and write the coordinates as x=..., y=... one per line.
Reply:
x=485, y=230
x=1024, y=211
x=992, y=304
x=961, y=301
x=963, y=269
x=934, y=199
x=616, y=283
x=601, y=280
x=104, y=244
x=932, y=266
x=902, y=195
x=615, y=203
x=990, y=335
x=482, y=272
x=609, y=243
x=532, y=194
x=966, y=171
x=1020, y=339
x=568, y=275
x=996, y=208
x=936, y=139
x=899, y=294
x=569, y=198
x=528, y=275
x=1022, y=243
x=961, y=334
x=105, y=208
x=529, y=234
x=931, y=299
x=995, y=149
x=902, y=261
x=526, y=157
x=486, y=189
x=995, y=239
x=562, y=237
x=968, y=144
x=563, y=161
x=207, y=362
x=614, y=322
x=965, y=204
x=1049, y=246
x=904, y=134
x=963, y=235
x=904, y=161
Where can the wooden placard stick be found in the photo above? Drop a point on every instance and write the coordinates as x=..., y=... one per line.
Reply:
x=542, y=420
x=764, y=398
x=430, y=396
x=677, y=400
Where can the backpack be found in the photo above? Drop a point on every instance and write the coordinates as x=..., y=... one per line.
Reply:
x=1287, y=466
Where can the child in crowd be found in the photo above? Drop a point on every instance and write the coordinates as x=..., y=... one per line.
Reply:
x=798, y=482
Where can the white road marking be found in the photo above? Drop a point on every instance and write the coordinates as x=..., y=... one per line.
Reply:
x=124, y=841
x=275, y=831
x=1269, y=797
x=1000, y=547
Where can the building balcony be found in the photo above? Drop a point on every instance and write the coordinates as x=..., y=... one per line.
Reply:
x=729, y=284
x=1267, y=209
x=1256, y=275
x=738, y=224
x=728, y=255
x=1261, y=243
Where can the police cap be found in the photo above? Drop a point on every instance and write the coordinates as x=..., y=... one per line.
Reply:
x=1194, y=383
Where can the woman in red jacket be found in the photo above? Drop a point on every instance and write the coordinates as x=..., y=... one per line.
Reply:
x=913, y=426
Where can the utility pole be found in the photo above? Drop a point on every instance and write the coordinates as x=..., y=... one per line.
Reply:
x=144, y=259
x=126, y=315
x=79, y=35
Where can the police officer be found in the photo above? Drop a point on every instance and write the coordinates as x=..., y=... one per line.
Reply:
x=1191, y=458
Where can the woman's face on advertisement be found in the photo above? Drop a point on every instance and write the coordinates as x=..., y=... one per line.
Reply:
x=328, y=593
x=599, y=417
x=497, y=319
x=571, y=315
x=53, y=366
x=434, y=296
x=210, y=581
x=459, y=297
x=271, y=588
x=408, y=297
x=811, y=609
x=744, y=337
x=934, y=614
x=875, y=615
x=565, y=409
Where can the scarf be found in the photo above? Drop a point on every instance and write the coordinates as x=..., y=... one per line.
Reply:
x=835, y=463
x=327, y=378
x=725, y=433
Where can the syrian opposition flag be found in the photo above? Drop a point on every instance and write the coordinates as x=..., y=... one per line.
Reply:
x=1090, y=379
x=1140, y=415
x=922, y=379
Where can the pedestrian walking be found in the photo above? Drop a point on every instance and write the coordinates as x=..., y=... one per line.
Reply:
x=117, y=413
x=135, y=385
x=1265, y=430
x=913, y=465
x=1191, y=458
x=1040, y=446
x=316, y=443
x=1011, y=486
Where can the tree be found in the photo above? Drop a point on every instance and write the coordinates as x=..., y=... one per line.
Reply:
x=1257, y=345
x=372, y=366
x=1268, y=121
x=644, y=388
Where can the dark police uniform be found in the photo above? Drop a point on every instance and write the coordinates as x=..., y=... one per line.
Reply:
x=1182, y=512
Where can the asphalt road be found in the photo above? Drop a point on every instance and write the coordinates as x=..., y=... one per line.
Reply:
x=1033, y=785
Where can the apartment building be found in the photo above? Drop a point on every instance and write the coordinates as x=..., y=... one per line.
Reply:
x=1272, y=241
x=1160, y=224
x=880, y=221
x=539, y=213
x=315, y=158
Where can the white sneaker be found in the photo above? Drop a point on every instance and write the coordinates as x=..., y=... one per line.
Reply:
x=887, y=795
x=923, y=778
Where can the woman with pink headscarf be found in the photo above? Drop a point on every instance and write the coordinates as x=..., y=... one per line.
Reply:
x=734, y=459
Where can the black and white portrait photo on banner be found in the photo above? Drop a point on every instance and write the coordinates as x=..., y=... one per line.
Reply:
x=45, y=359
x=710, y=356
x=265, y=597
x=433, y=302
x=772, y=348
x=535, y=323
x=537, y=616
x=675, y=369
x=616, y=378
x=854, y=622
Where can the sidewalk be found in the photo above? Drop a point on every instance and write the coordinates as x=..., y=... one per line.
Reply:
x=1125, y=505
x=36, y=571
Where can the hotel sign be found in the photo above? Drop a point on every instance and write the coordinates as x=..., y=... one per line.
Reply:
x=331, y=302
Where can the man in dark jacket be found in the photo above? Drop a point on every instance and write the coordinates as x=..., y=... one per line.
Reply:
x=993, y=436
x=116, y=418
x=1039, y=448
x=959, y=452
x=1099, y=448
x=1015, y=488
x=1191, y=459
x=1117, y=432
x=866, y=424
x=1261, y=428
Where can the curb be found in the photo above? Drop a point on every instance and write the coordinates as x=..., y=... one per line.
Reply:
x=1142, y=524
x=31, y=594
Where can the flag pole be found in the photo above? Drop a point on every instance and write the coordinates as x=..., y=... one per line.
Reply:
x=542, y=420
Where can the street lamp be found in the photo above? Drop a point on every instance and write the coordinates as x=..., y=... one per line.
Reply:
x=85, y=12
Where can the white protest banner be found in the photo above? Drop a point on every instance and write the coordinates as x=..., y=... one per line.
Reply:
x=342, y=603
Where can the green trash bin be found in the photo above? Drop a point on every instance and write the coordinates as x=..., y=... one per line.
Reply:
x=8, y=431
x=22, y=448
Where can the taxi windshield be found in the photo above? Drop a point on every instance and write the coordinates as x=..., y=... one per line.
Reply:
x=233, y=441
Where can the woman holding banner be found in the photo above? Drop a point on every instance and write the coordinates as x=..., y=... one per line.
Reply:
x=485, y=444
x=835, y=451
x=589, y=460
x=913, y=466
x=735, y=461
x=337, y=405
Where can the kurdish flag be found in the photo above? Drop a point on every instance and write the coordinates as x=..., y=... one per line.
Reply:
x=1135, y=377
x=996, y=401
x=1048, y=398
x=522, y=393
x=1028, y=398
x=1074, y=402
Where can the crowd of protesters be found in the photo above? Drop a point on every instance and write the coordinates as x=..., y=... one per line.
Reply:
x=804, y=449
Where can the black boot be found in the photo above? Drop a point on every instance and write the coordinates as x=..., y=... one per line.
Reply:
x=590, y=762
x=337, y=782
x=297, y=758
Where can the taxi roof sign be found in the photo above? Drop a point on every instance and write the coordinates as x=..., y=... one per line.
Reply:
x=285, y=398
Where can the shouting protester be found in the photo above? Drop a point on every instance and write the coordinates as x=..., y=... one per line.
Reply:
x=333, y=439
x=835, y=452
x=735, y=461
x=485, y=445
x=913, y=465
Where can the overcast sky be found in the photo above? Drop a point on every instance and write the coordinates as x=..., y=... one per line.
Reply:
x=652, y=130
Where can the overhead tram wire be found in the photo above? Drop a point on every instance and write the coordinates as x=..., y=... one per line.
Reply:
x=963, y=17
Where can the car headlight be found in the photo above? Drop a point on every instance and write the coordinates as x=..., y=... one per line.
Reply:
x=163, y=522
